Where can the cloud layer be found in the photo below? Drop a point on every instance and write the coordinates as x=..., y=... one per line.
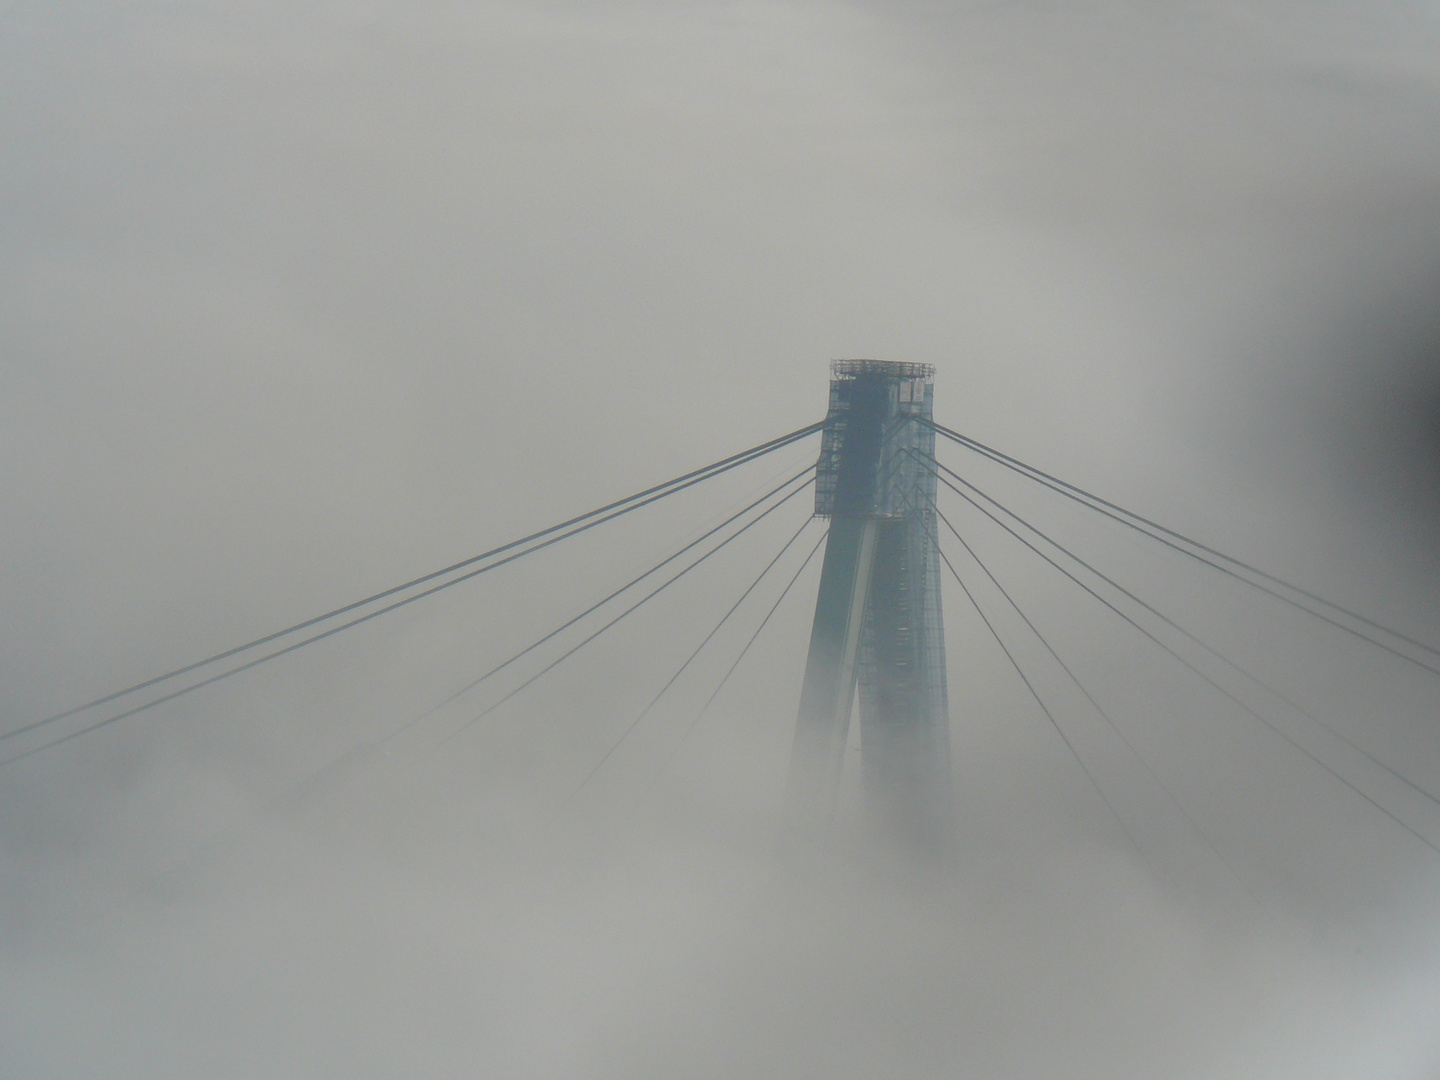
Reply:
x=298, y=301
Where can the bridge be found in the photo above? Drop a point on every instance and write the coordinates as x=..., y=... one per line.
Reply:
x=891, y=511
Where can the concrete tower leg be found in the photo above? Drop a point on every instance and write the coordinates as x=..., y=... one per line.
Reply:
x=878, y=619
x=831, y=670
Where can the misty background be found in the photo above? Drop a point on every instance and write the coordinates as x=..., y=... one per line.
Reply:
x=300, y=301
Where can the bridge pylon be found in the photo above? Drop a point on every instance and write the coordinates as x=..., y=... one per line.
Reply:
x=878, y=623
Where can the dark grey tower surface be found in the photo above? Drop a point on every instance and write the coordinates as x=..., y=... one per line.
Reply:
x=878, y=620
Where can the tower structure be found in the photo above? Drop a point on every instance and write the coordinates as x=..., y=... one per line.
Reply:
x=878, y=624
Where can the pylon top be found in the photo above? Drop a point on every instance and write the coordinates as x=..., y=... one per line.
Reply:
x=892, y=369
x=875, y=439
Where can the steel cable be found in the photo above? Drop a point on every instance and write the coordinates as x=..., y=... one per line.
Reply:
x=726, y=677
x=600, y=515
x=1110, y=722
x=1222, y=689
x=690, y=659
x=1048, y=714
x=595, y=606
x=1144, y=526
x=639, y=603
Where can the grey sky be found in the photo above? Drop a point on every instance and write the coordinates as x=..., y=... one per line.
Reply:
x=297, y=301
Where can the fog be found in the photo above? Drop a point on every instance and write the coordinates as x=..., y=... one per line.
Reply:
x=301, y=301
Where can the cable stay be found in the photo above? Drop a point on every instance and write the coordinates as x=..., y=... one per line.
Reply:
x=1245, y=672
x=724, y=679
x=552, y=535
x=1104, y=715
x=416, y=720
x=1135, y=844
x=183, y=691
x=473, y=683
x=689, y=660
x=633, y=607
x=1183, y=660
x=541, y=539
x=1269, y=584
